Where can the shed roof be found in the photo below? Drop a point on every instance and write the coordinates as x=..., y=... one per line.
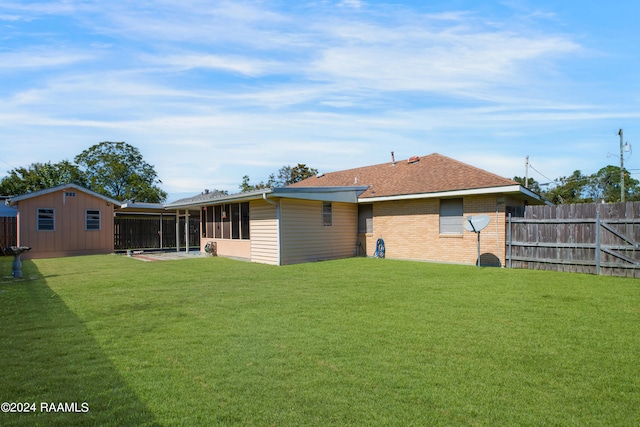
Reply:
x=429, y=174
x=63, y=187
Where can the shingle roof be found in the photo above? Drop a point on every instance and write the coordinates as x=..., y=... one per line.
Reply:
x=203, y=197
x=418, y=175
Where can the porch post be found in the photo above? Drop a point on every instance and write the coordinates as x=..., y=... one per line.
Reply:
x=186, y=231
x=160, y=232
x=177, y=230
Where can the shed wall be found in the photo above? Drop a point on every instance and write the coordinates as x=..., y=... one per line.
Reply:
x=305, y=239
x=70, y=236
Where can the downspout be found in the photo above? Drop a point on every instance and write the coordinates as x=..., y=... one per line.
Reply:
x=277, y=205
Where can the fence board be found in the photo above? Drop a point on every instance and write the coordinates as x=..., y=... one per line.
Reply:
x=152, y=232
x=585, y=238
x=8, y=233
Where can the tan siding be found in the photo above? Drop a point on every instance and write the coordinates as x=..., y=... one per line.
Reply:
x=69, y=237
x=304, y=238
x=264, y=232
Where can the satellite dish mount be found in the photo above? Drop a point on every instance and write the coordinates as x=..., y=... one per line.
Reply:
x=475, y=224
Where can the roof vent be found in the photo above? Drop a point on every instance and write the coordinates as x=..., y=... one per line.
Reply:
x=413, y=159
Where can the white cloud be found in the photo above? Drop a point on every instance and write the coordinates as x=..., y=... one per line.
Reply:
x=36, y=59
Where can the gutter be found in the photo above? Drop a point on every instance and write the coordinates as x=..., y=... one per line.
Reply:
x=278, y=231
x=508, y=189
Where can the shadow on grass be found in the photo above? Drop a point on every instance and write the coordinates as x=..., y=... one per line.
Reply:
x=48, y=356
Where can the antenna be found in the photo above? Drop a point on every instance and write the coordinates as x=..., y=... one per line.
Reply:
x=475, y=224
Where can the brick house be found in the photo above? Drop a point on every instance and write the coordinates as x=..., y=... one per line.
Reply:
x=418, y=206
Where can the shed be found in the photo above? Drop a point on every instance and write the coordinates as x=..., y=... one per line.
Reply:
x=64, y=220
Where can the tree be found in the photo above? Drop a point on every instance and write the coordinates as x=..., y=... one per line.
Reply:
x=39, y=176
x=117, y=170
x=532, y=184
x=570, y=190
x=246, y=186
x=290, y=175
x=286, y=175
x=604, y=185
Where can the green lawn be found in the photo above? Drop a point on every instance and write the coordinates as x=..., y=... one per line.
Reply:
x=370, y=342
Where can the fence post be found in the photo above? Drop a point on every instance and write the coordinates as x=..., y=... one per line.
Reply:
x=509, y=241
x=598, y=242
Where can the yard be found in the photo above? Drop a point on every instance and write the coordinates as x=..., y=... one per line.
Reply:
x=213, y=341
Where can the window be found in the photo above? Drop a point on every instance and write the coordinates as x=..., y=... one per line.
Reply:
x=46, y=219
x=228, y=221
x=244, y=224
x=451, y=216
x=235, y=221
x=92, y=219
x=326, y=214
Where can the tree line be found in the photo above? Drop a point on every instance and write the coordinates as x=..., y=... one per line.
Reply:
x=118, y=170
x=113, y=169
x=602, y=186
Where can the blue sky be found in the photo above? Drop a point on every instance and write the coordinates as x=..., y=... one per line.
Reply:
x=210, y=91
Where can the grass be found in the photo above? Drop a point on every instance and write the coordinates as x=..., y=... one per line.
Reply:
x=213, y=341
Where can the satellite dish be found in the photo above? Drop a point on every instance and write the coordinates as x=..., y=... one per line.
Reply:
x=476, y=223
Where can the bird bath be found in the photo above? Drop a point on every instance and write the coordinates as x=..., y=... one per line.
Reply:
x=16, y=251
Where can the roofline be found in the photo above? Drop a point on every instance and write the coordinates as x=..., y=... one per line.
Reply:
x=63, y=187
x=347, y=194
x=141, y=205
x=238, y=197
x=509, y=189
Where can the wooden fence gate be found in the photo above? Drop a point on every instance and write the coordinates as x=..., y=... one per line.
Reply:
x=583, y=238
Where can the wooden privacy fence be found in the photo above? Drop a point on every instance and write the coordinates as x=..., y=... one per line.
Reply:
x=8, y=233
x=583, y=238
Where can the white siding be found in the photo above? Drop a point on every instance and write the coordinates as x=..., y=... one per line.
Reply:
x=304, y=238
x=264, y=232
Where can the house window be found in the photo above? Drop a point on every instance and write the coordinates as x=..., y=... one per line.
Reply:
x=451, y=216
x=92, y=219
x=46, y=219
x=228, y=221
x=244, y=221
x=327, y=214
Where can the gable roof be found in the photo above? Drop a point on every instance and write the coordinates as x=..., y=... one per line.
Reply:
x=63, y=187
x=431, y=174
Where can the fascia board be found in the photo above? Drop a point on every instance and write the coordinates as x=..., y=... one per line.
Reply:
x=63, y=188
x=509, y=189
x=326, y=194
x=241, y=197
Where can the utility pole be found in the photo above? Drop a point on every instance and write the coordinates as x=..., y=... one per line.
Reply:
x=526, y=178
x=621, y=167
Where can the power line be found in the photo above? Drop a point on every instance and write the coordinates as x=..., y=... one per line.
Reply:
x=541, y=174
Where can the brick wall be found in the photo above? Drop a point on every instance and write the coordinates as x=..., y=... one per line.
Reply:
x=411, y=230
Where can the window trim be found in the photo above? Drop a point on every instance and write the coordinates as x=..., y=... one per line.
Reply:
x=327, y=214
x=453, y=227
x=39, y=225
x=87, y=219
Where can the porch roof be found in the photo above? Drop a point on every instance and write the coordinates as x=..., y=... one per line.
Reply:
x=347, y=194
